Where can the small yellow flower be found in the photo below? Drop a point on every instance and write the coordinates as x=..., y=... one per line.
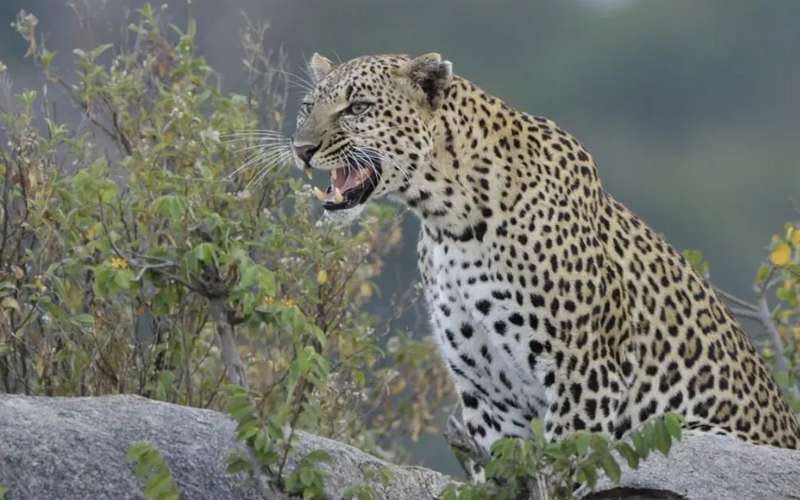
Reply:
x=322, y=277
x=119, y=263
x=781, y=255
x=795, y=236
x=288, y=302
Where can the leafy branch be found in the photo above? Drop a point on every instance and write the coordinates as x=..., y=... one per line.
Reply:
x=151, y=468
x=542, y=469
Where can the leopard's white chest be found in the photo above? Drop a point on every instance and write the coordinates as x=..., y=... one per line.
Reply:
x=459, y=281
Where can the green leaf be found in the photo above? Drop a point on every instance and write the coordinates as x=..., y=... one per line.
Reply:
x=610, y=466
x=255, y=275
x=238, y=462
x=762, y=273
x=306, y=476
x=159, y=485
x=365, y=492
x=191, y=29
x=84, y=319
x=629, y=454
x=661, y=436
x=318, y=456
x=123, y=278
x=588, y=473
x=152, y=469
x=697, y=261
x=785, y=294
x=92, y=183
x=172, y=206
x=46, y=58
x=137, y=450
x=10, y=303
x=98, y=51
x=640, y=444
x=205, y=253
x=537, y=428
x=582, y=440
x=598, y=442
x=673, y=424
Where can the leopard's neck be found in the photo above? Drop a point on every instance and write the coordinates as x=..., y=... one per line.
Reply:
x=490, y=161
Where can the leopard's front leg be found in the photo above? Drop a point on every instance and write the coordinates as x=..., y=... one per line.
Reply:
x=480, y=425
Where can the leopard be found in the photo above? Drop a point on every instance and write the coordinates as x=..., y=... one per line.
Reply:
x=548, y=298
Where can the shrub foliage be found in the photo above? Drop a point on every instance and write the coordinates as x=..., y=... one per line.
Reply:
x=150, y=246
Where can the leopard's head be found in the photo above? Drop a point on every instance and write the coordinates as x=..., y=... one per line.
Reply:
x=368, y=122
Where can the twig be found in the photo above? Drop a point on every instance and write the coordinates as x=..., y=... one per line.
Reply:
x=215, y=392
x=760, y=312
x=123, y=139
x=765, y=316
x=292, y=424
x=148, y=267
x=736, y=300
x=6, y=215
x=234, y=367
x=777, y=343
x=107, y=231
x=746, y=313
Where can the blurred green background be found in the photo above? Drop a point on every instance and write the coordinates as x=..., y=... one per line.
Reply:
x=691, y=109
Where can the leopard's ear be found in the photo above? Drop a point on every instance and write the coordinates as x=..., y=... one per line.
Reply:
x=431, y=75
x=319, y=67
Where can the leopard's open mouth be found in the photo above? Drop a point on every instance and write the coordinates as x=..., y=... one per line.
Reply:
x=351, y=185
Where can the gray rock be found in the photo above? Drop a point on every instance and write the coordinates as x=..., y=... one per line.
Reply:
x=710, y=467
x=70, y=448
x=75, y=448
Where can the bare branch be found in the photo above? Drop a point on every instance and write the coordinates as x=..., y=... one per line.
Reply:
x=234, y=367
x=746, y=313
x=766, y=318
x=736, y=300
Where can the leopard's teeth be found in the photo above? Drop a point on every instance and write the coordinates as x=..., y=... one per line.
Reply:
x=337, y=195
x=320, y=194
x=307, y=171
x=333, y=175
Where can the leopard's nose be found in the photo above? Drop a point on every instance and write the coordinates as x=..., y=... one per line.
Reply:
x=305, y=151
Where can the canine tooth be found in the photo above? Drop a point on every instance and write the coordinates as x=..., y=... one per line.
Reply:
x=307, y=171
x=320, y=194
x=333, y=175
x=337, y=195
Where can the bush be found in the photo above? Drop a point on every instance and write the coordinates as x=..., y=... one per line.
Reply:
x=538, y=468
x=139, y=256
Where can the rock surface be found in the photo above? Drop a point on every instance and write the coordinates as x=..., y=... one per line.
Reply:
x=75, y=448
x=70, y=448
x=709, y=467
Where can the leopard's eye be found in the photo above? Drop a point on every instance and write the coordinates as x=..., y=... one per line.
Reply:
x=306, y=107
x=358, y=107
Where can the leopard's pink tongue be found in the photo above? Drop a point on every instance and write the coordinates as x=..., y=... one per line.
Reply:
x=349, y=178
x=342, y=180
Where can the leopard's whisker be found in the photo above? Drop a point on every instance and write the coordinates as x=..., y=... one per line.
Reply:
x=261, y=157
